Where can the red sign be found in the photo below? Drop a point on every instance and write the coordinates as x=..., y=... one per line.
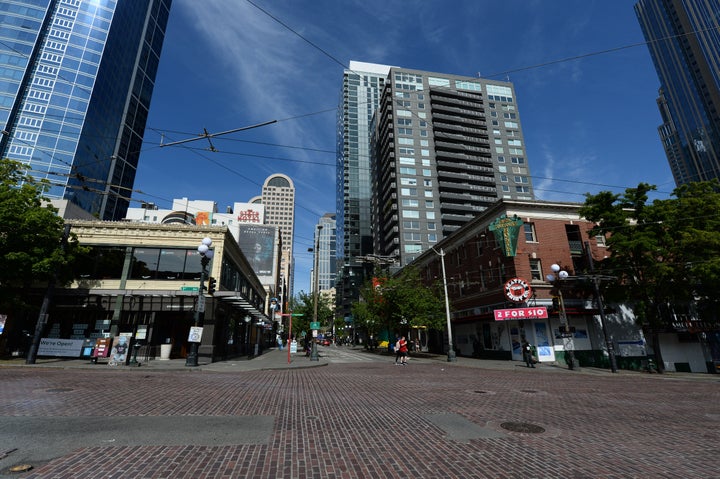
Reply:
x=520, y=313
x=518, y=290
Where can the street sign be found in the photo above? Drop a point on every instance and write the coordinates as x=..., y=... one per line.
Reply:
x=314, y=324
x=298, y=314
x=189, y=288
x=195, y=335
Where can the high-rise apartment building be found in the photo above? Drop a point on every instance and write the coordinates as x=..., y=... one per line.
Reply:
x=76, y=79
x=327, y=263
x=278, y=197
x=444, y=149
x=362, y=85
x=683, y=37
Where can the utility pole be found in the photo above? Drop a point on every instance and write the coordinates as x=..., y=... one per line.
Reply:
x=42, y=317
x=601, y=307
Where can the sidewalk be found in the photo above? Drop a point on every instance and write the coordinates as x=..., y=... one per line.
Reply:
x=272, y=358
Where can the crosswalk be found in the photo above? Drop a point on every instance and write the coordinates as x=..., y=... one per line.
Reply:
x=344, y=354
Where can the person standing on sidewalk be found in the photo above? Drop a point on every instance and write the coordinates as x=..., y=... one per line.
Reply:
x=403, y=350
x=527, y=354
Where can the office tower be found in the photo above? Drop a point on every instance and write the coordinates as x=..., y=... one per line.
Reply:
x=278, y=197
x=362, y=84
x=444, y=149
x=326, y=240
x=76, y=81
x=684, y=41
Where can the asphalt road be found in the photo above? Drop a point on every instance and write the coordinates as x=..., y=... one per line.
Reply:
x=357, y=416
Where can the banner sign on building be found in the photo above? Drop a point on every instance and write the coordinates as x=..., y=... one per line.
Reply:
x=257, y=243
x=514, y=314
x=506, y=231
x=60, y=347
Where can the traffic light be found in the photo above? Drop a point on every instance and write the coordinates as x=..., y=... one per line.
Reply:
x=212, y=283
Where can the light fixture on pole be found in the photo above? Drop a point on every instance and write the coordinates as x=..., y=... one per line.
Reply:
x=195, y=337
x=451, y=351
x=247, y=335
x=556, y=279
x=316, y=282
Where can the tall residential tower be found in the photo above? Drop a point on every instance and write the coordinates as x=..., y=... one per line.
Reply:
x=76, y=79
x=444, y=149
x=684, y=41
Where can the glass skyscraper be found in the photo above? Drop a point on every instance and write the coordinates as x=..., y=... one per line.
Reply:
x=362, y=85
x=76, y=79
x=684, y=41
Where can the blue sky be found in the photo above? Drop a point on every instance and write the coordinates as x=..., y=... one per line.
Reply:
x=590, y=123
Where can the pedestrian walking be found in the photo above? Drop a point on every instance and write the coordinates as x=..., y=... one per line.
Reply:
x=527, y=354
x=403, y=350
x=396, y=348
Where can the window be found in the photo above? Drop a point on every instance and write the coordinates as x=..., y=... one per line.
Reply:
x=413, y=248
x=410, y=214
x=431, y=226
x=522, y=189
x=529, y=230
x=408, y=191
x=432, y=237
x=408, y=181
x=535, y=270
x=407, y=171
x=411, y=225
x=411, y=236
x=410, y=202
x=600, y=240
x=430, y=215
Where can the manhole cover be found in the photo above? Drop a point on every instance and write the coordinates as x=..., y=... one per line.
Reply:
x=522, y=427
x=58, y=390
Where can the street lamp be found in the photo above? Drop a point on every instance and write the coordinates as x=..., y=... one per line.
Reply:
x=316, y=292
x=451, y=352
x=206, y=255
x=559, y=275
x=247, y=336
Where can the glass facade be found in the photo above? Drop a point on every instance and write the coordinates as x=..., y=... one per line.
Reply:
x=76, y=79
x=362, y=84
x=684, y=41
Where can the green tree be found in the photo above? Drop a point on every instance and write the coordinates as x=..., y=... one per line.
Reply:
x=304, y=304
x=665, y=254
x=399, y=303
x=30, y=236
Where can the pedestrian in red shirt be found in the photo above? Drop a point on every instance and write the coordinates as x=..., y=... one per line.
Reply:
x=403, y=350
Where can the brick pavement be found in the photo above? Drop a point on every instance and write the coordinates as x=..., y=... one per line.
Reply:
x=431, y=419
